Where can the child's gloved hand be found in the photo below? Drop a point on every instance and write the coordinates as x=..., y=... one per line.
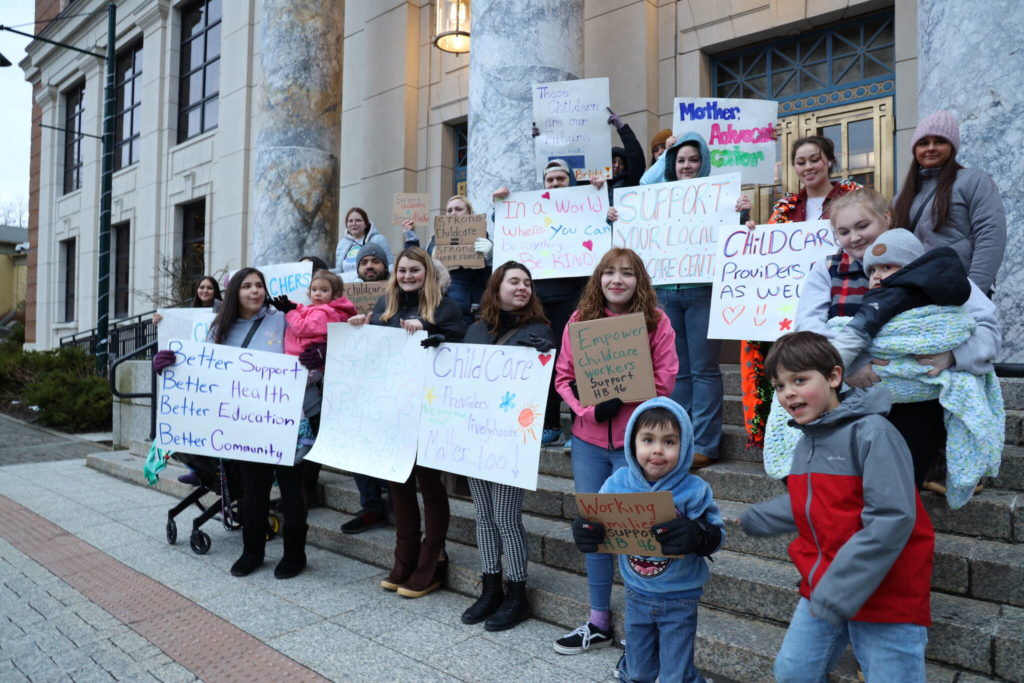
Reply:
x=685, y=536
x=606, y=410
x=282, y=304
x=432, y=341
x=587, y=535
x=538, y=342
x=162, y=359
x=313, y=356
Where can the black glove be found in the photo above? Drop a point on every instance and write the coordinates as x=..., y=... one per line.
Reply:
x=614, y=119
x=534, y=130
x=282, y=304
x=587, y=535
x=313, y=356
x=538, y=342
x=606, y=410
x=685, y=536
x=162, y=359
x=432, y=341
x=575, y=389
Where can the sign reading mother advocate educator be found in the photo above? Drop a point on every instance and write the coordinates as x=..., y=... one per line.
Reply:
x=229, y=402
x=739, y=133
x=572, y=117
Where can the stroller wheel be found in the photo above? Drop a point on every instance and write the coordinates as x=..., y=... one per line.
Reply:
x=172, y=532
x=199, y=542
x=273, y=526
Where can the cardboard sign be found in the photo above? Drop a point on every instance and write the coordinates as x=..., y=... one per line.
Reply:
x=188, y=324
x=373, y=387
x=454, y=237
x=408, y=206
x=627, y=520
x=674, y=226
x=364, y=295
x=573, y=120
x=290, y=279
x=229, y=402
x=555, y=233
x=760, y=271
x=612, y=359
x=738, y=133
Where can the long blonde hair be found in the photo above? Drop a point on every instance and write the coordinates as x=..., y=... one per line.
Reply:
x=429, y=295
x=645, y=300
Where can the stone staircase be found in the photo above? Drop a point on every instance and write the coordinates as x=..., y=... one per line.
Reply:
x=977, y=586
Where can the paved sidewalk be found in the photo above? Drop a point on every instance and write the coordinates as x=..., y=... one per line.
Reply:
x=22, y=442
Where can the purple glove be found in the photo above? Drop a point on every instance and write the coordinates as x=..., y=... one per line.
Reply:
x=313, y=356
x=614, y=118
x=162, y=359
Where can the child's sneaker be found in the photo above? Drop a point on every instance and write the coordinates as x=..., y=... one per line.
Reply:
x=586, y=637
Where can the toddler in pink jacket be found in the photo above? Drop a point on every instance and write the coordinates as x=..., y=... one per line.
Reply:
x=308, y=324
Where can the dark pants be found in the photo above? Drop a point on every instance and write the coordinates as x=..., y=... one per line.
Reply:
x=558, y=312
x=416, y=556
x=371, y=497
x=923, y=427
x=257, y=479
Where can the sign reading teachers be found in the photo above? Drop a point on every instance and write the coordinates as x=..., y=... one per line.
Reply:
x=483, y=412
x=740, y=134
x=290, y=279
x=373, y=383
x=190, y=324
x=612, y=359
x=230, y=402
x=627, y=520
x=674, y=226
x=555, y=233
x=760, y=271
x=572, y=117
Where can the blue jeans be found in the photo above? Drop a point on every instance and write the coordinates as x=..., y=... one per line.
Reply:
x=370, y=496
x=660, y=633
x=591, y=465
x=699, y=382
x=885, y=652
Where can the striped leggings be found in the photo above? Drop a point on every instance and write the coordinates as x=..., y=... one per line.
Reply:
x=499, y=526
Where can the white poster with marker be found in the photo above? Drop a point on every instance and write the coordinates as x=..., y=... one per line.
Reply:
x=572, y=117
x=188, y=324
x=674, y=226
x=483, y=412
x=290, y=279
x=740, y=134
x=759, y=277
x=556, y=233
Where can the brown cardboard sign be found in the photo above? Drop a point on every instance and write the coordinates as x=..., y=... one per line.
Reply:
x=454, y=237
x=612, y=359
x=627, y=520
x=411, y=206
x=365, y=294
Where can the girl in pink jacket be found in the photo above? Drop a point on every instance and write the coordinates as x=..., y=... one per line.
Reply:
x=308, y=324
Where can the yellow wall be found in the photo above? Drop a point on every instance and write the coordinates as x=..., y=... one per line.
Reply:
x=13, y=273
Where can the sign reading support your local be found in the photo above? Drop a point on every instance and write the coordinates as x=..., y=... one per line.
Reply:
x=739, y=133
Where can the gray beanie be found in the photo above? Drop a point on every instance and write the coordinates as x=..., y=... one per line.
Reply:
x=372, y=249
x=896, y=247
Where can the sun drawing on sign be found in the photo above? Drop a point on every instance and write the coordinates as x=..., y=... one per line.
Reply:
x=528, y=417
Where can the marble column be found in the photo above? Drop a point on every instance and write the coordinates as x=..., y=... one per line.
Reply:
x=514, y=45
x=970, y=63
x=295, y=211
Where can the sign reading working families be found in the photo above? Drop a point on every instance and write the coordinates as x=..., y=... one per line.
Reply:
x=627, y=520
x=739, y=133
x=555, y=233
x=760, y=271
x=369, y=418
x=483, y=412
x=411, y=206
x=230, y=402
x=572, y=117
x=674, y=226
x=364, y=295
x=290, y=279
x=612, y=359
x=190, y=324
x=454, y=237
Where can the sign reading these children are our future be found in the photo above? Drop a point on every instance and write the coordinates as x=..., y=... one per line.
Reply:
x=454, y=239
x=627, y=520
x=759, y=277
x=555, y=233
x=612, y=359
x=572, y=117
x=740, y=133
x=230, y=402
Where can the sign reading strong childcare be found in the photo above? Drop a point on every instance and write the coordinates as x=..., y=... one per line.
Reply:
x=740, y=134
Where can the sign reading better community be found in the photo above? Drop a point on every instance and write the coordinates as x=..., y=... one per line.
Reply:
x=572, y=117
x=740, y=133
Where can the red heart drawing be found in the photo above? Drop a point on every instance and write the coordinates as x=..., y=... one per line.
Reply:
x=589, y=244
x=545, y=358
x=546, y=195
x=734, y=311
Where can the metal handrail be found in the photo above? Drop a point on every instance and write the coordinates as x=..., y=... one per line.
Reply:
x=151, y=395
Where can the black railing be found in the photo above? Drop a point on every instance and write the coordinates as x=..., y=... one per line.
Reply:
x=124, y=338
x=140, y=353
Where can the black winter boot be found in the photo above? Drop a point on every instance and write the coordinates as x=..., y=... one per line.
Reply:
x=294, y=560
x=489, y=601
x=515, y=609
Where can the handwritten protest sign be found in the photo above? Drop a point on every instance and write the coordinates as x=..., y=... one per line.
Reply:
x=189, y=324
x=573, y=120
x=760, y=271
x=612, y=359
x=483, y=412
x=290, y=279
x=556, y=233
x=411, y=206
x=373, y=386
x=738, y=132
x=230, y=402
x=364, y=295
x=454, y=237
x=627, y=520
x=673, y=226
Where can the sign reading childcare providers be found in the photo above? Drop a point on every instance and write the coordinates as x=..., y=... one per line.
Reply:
x=739, y=133
x=760, y=273
x=572, y=117
x=230, y=402
x=290, y=279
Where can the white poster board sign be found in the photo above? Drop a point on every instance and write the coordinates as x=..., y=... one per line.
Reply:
x=573, y=120
x=483, y=412
x=190, y=324
x=674, y=226
x=373, y=386
x=555, y=233
x=739, y=133
x=290, y=279
x=230, y=402
x=760, y=272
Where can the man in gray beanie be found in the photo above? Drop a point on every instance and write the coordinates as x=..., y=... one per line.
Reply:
x=372, y=263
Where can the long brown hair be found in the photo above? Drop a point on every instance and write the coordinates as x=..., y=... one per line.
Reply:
x=912, y=185
x=429, y=295
x=490, y=303
x=228, y=313
x=362, y=213
x=592, y=304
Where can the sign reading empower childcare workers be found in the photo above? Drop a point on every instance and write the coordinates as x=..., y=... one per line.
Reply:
x=674, y=226
x=627, y=520
x=760, y=272
x=483, y=412
x=230, y=402
x=572, y=117
x=739, y=133
x=370, y=413
x=555, y=233
x=290, y=279
x=612, y=359
x=190, y=324
x=454, y=237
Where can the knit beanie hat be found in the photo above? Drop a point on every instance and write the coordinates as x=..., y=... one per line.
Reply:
x=660, y=137
x=941, y=124
x=896, y=247
x=372, y=249
x=558, y=165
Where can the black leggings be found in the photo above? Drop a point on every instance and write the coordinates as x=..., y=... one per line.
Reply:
x=923, y=427
x=257, y=480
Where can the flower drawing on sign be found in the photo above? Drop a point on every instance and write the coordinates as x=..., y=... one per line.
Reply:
x=508, y=401
x=528, y=417
x=429, y=396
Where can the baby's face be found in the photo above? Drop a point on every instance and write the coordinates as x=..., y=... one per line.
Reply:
x=880, y=272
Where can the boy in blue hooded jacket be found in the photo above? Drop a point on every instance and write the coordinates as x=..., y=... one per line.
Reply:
x=662, y=592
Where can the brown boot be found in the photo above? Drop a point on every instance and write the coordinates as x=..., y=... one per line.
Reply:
x=701, y=461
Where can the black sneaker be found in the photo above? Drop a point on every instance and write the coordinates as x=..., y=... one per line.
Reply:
x=366, y=519
x=586, y=637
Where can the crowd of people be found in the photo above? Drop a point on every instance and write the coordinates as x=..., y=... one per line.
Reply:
x=858, y=449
